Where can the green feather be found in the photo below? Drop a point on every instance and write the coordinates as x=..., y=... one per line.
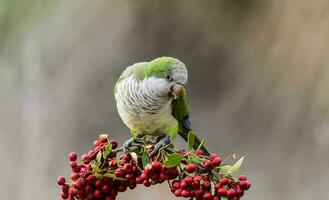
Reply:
x=160, y=67
x=180, y=111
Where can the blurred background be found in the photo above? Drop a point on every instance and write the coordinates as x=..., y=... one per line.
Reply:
x=258, y=85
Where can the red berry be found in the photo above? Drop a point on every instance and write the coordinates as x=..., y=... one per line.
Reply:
x=61, y=180
x=113, y=164
x=185, y=193
x=155, y=177
x=206, y=185
x=114, y=144
x=122, y=188
x=223, y=181
x=64, y=195
x=91, y=179
x=197, y=178
x=188, y=180
x=127, y=168
x=132, y=185
x=195, y=185
x=98, y=184
x=109, y=198
x=119, y=172
x=73, y=156
x=66, y=188
x=127, y=158
x=156, y=165
x=215, y=198
x=146, y=183
x=183, y=152
x=74, y=176
x=190, y=168
x=88, y=189
x=217, y=186
x=139, y=180
x=244, y=185
x=77, y=185
x=164, y=176
x=90, y=196
x=231, y=193
x=183, y=185
x=175, y=184
x=213, y=156
x=178, y=193
x=216, y=162
x=73, y=165
x=222, y=192
x=207, y=196
x=103, y=138
x=239, y=192
x=85, y=158
x=144, y=177
x=106, y=188
x=97, y=143
x=98, y=194
x=91, y=153
x=242, y=178
x=199, y=152
x=129, y=177
x=199, y=192
x=208, y=165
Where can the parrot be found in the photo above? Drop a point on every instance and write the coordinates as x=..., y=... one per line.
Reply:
x=151, y=100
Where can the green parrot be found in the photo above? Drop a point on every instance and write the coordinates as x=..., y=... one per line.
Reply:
x=151, y=100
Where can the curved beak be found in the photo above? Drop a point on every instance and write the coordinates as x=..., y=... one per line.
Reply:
x=176, y=90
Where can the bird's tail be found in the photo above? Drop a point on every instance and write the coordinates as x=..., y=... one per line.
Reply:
x=185, y=134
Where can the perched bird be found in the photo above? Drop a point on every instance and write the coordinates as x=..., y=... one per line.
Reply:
x=151, y=100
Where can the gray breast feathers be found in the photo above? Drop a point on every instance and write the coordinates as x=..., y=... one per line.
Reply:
x=138, y=98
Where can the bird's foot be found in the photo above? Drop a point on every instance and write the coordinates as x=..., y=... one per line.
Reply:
x=163, y=142
x=127, y=145
x=131, y=142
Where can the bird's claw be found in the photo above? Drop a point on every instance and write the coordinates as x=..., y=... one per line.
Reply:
x=163, y=142
x=127, y=144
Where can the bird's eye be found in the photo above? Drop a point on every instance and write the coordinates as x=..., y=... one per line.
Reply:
x=168, y=77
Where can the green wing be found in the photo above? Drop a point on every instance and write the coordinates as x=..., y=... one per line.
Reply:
x=180, y=111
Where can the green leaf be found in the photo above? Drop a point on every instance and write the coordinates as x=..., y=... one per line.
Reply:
x=134, y=156
x=212, y=188
x=216, y=178
x=112, y=176
x=201, y=144
x=173, y=160
x=236, y=167
x=190, y=140
x=99, y=158
x=107, y=150
x=145, y=159
x=223, y=198
x=226, y=169
x=95, y=168
x=195, y=159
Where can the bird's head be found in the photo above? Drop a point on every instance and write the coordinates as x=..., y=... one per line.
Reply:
x=167, y=75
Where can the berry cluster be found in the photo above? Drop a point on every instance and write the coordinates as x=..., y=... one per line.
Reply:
x=156, y=172
x=98, y=177
x=201, y=180
x=190, y=174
